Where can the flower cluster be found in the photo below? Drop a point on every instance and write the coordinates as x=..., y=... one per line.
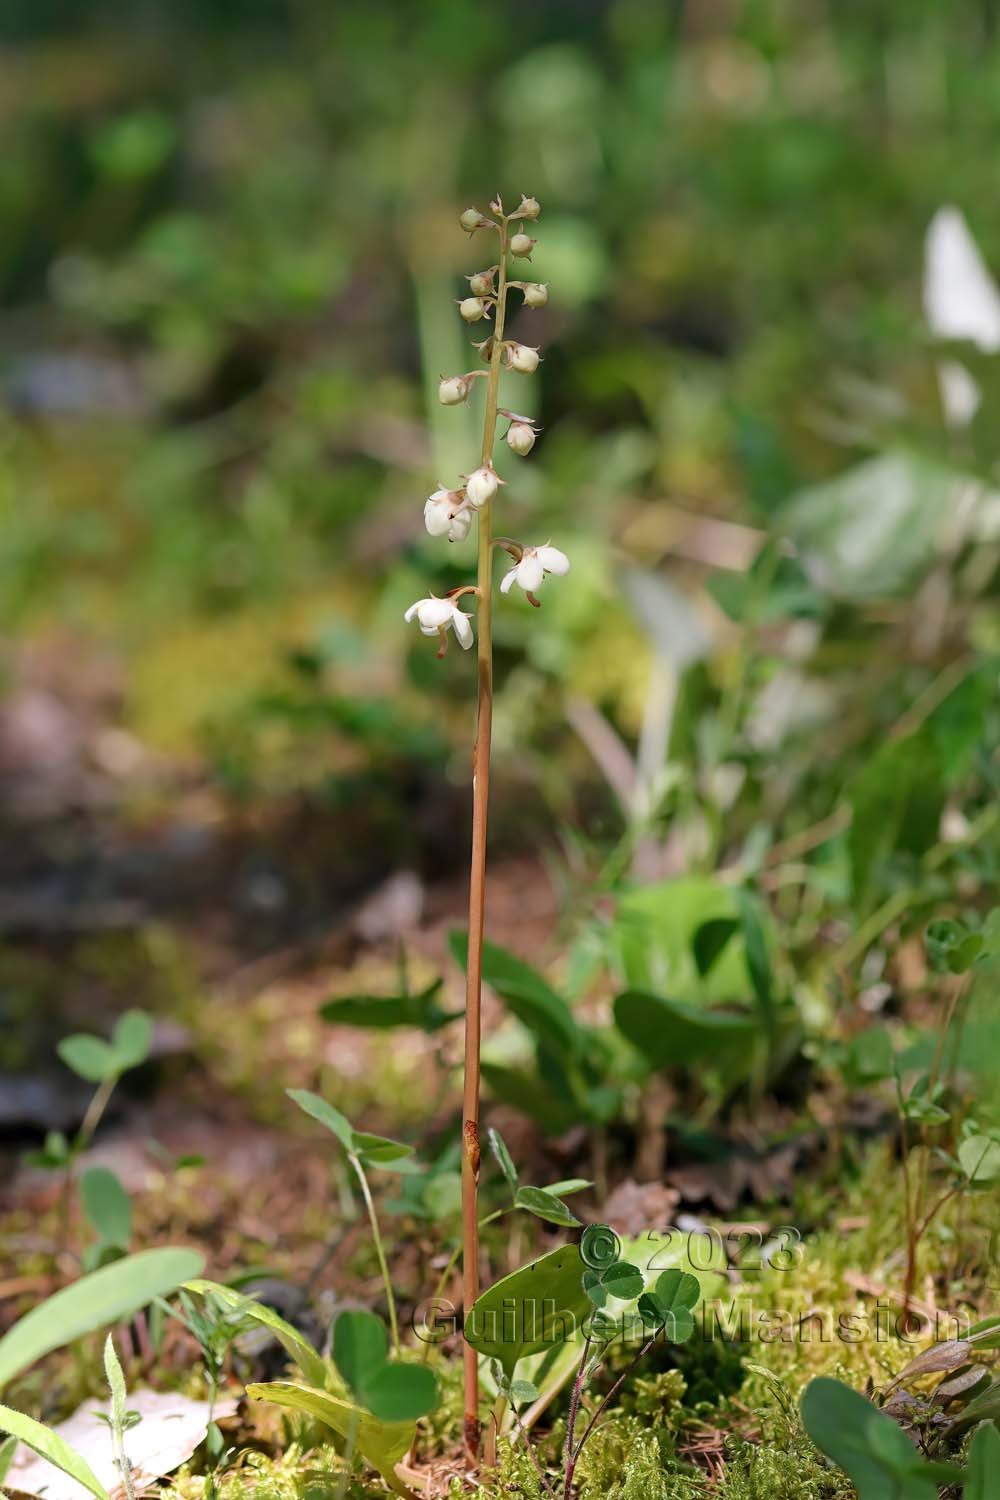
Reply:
x=449, y=512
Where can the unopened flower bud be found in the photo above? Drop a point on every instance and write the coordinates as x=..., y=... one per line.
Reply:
x=461, y=523
x=536, y=294
x=472, y=219
x=481, y=284
x=472, y=309
x=522, y=358
x=481, y=486
x=521, y=437
x=528, y=208
x=522, y=244
x=453, y=390
x=485, y=349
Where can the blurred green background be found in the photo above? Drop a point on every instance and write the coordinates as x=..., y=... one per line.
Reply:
x=228, y=257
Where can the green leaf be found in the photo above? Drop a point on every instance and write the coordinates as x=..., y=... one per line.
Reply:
x=569, y=1185
x=504, y=1158
x=545, y=1205
x=870, y=1448
x=676, y=1289
x=525, y=1092
x=984, y=1407
x=623, y=1281
x=951, y=948
x=132, y=1039
x=526, y=994
x=400, y=1392
x=383, y=1444
x=673, y=1034
x=539, y=1306
x=297, y=1347
x=522, y=1391
x=317, y=1107
x=653, y=941
x=979, y=1156
x=107, y=1206
x=49, y=1445
x=983, y=1464
x=116, y=1382
x=379, y=1150
x=758, y=957
x=710, y=940
x=7, y=1450
x=379, y=1012
x=360, y=1349
x=896, y=804
x=89, y=1057
x=95, y=1301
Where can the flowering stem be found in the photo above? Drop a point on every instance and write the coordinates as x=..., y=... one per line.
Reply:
x=477, y=879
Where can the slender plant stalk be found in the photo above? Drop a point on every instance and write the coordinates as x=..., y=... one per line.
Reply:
x=379, y=1249
x=477, y=876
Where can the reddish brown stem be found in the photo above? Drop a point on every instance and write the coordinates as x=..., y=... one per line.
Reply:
x=477, y=886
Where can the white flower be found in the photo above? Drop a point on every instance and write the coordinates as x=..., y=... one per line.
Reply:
x=535, y=562
x=528, y=208
x=523, y=358
x=481, y=485
x=536, y=294
x=437, y=616
x=472, y=309
x=471, y=220
x=521, y=437
x=481, y=283
x=453, y=389
x=522, y=244
x=445, y=514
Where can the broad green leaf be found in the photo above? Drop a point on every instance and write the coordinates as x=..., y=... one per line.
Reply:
x=107, y=1206
x=870, y=1448
x=983, y=1467
x=360, y=1348
x=131, y=1039
x=401, y=1393
x=710, y=940
x=525, y=1091
x=534, y=1308
x=526, y=994
x=317, y=1107
x=545, y=1205
x=297, y=1347
x=979, y=1156
x=653, y=941
x=49, y=1445
x=89, y=1057
x=7, y=1450
x=95, y=1301
x=383, y=1444
x=758, y=957
x=672, y=1034
x=504, y=1158
x=378, y=1012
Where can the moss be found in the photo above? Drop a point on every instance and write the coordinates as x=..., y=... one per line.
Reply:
x=296, y=1474
x=787, y=1472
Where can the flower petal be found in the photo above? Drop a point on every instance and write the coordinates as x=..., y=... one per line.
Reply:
x=463, y=629
x=530, y=571
x=507, y=581
x=552, y=560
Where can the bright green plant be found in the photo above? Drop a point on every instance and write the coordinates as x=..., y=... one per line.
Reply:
x=121, y=1419
x=869, y=1446
x=363, y=1150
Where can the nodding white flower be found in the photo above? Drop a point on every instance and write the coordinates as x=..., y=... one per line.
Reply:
x=437, y=617
x=471, y=220
x=481, y=485
x=521, y=437
x=536, y=293
x=445, y=514
x=528, y=208
x=481, y=284
x=529, y=572
x=523, y=358
x=454, y=389
x=472, y=309
x=522, y=244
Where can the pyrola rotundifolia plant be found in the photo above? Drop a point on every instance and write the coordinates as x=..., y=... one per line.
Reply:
x=450, y=513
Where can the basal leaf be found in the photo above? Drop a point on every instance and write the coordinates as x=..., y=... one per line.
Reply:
x=360, y=1348
x=401, y=1393
x=670, y=1033
x=526, y=994
x=95, y=1301
x=539, y=1306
